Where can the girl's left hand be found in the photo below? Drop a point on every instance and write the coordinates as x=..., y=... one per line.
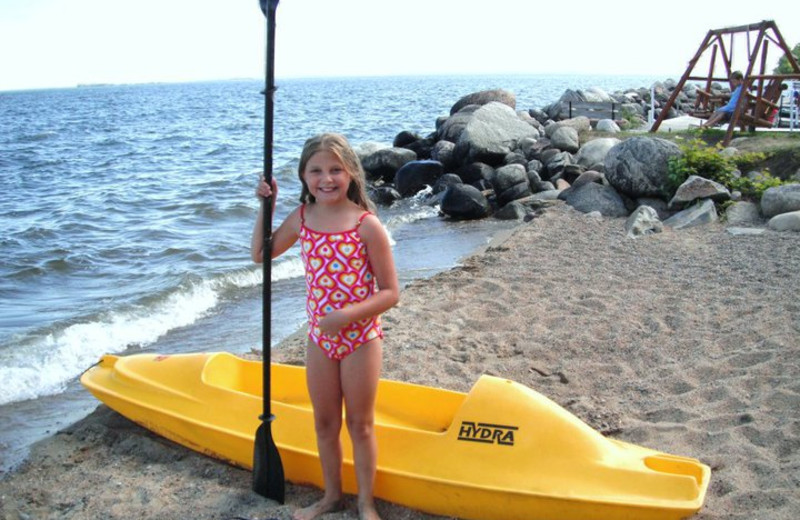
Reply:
x=332, y=323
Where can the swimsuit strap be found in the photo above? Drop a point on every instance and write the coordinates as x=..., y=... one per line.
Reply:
x=303, y=214
x=362, y=217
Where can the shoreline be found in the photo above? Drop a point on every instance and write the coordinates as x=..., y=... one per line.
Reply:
x=683, y=341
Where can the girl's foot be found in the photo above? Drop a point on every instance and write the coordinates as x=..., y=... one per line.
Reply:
x=367, y=511
x=319, y=508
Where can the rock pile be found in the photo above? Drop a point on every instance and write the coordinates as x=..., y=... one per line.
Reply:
x=488, y=158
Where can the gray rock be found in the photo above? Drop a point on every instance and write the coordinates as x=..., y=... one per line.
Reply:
x=566, y=138
x=637, y=167
x=475, y=172
x=556, y=163
x=451, y=128
x=587, y=177
x=580, y=123
x=740, y=213
x=443, y=152
x=484, y=97
x=595, y=197
x=445, y=181
x=659, y=205
x=384, y=163
x=745, y=231
x=491, y=133
x=595, y=151
x=527, y=146
x=643, y=221
x=507, y=176
x=535, y=165
x=701, y=213
x=695, y=188
x=780, y=199
x=591, y=94
x=384, y=195
x=414, y=176
x=514, y=210
x=464, y=202
x=607, y=125
x=785, y=222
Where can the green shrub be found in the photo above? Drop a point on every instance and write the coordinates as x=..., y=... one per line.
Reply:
x=705, y=161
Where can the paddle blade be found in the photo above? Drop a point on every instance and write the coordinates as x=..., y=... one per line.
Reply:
x=266, y=5
x=268, y=478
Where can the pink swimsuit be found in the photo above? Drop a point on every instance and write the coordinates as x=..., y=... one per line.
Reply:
x=338, y=274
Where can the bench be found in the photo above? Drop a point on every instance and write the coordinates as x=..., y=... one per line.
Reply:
x=592, y=110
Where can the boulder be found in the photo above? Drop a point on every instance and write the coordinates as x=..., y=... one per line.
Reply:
x=422, y=147
x=660, y=205
x=443, y=152
x=415, y=176
x=780, y=199
x=514, y=210
x=556, y=163
x=475, y=172
x=701, y=213
x=742, y=212
x=451, y=128
x=696, y=187
x=587, y=177
x=383, y=164
x=445, y=181
x=785, y=222
x=384, y=195
x=607, y=125
x=594, y=152
x=566, y=138
x=591, y=94
x=507, y=176
x=643, y=221
x=580, y=123
x=595, y=197
x=637, y=167
x=464, y=202
x=404, y=138
x=491, y=133
x=484, y=97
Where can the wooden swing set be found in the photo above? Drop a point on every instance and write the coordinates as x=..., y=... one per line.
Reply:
x=761, y=91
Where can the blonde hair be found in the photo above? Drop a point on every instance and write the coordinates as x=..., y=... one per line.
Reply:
x=338, y=145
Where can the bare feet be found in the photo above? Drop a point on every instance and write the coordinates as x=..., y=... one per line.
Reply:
x=367, y=511
x=319, y=508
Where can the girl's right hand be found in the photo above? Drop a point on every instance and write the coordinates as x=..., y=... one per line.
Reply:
x=264, y=190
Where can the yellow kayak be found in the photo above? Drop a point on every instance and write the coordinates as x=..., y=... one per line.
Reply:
x=501, y=451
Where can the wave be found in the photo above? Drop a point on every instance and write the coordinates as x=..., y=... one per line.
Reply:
x=44, y=362
x=40, y=136
x=406, y=211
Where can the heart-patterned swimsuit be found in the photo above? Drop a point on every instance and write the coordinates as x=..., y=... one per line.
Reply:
x=338, y=274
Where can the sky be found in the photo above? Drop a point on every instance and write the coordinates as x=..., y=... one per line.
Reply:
x=63, y=43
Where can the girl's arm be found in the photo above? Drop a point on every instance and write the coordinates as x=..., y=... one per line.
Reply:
x=283, y=237
x=379, y=252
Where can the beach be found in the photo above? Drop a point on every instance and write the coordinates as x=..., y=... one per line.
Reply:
x=684, y=341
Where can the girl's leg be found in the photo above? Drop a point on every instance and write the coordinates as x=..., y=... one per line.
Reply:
x=324, y=387
x=360, y=372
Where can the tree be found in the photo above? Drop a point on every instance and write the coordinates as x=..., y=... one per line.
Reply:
x=783, y=64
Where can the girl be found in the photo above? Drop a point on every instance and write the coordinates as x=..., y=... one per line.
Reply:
x=351, y=280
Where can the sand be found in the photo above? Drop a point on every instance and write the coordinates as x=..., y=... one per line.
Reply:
x=685, y=341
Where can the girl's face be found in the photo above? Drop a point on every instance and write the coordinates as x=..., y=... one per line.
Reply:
x=326, y=178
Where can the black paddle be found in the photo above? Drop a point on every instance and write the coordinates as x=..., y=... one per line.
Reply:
x=268, y=478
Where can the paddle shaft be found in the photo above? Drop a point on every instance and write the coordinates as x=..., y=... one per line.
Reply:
x=269, y=94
